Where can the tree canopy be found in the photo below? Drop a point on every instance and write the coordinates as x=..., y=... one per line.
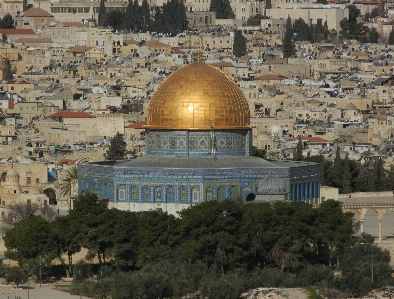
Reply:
x=288, y=46
x=217, y=249
x=222, y=8
x=117, y=148
x=239, y=47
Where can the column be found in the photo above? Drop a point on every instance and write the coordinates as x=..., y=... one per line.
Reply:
x=362, y=220
x=292, y=192
x=298, y=191
x=380, y=228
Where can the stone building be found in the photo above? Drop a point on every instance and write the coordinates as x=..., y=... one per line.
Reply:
x=198, y=146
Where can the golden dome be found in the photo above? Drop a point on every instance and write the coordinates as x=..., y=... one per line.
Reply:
x=197, y=97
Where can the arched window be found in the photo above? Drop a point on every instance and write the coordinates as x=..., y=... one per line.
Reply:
x=209, y=194
x=121, y=192
x=195, y=194
x=158, y=194
x=134, y=193
x=145, y=193
x=183, y=196
x=233, y=192
x=171, y=194
x=220, y=194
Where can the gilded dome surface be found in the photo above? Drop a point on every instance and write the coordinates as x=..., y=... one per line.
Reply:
x=197, y=97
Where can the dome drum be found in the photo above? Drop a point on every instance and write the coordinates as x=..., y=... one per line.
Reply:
x=198, y=143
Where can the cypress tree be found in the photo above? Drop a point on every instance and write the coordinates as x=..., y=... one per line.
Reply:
x=145, y=15
x=298, y=152
x=227, y=10
x=391, y=37
x=128, y=20
x=158, y=20
x=102, y=14
x=346, y=177
x=239, y=46
x=287, y=46
x=138, y=22
x=216, y=7
x=373, y=36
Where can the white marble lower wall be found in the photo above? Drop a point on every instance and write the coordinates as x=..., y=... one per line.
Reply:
x=170, y=208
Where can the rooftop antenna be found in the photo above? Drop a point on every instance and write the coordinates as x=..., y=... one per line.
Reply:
x=198, y=52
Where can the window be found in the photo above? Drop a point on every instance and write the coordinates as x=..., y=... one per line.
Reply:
x=220, y=194
x=145, y=193
x=170, y=194
x=195, y=194
x=28, y=180
x=134, y=193
x=183, y=194
x=209, y=194
x=121, y=192
x=37, y=180
x=158, y=194
x=233, y=192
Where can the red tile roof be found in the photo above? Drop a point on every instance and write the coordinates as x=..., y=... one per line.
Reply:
x=270, y=77
x=10, y=105
x=71, y=114
x=155, y=43
x=130, y=42
x=36, y=12
x=314, y=139
x=137, y=125
x=80, y=49
x=74, y=24
x=33, y=40
x=17, y=31
x=65, y=161
x=222, y=64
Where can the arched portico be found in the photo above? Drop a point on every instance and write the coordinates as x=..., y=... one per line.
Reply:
x=362, y=210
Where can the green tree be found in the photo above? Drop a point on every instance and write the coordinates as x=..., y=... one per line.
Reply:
x=8, y=72
x=114, y=19
x=102, y=13
x=71, y=174
x=66, y=234
x=377, y=11
x=7, y=22
x=29, y=239
x=373, y=36
x=367, y=16
x=145, y=14
x=117, y=148
x=15, y=275
x=302, y=30
x=255, y=20
x=95, y=225
x=239, y=46
x=298, y=152
x=222, y=8
x=129, y=16
x=210, y=233
x=351, y=28
x=261, y=153
x=288, y=46
x=391, y=37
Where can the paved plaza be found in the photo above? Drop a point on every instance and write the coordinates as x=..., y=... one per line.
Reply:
x=47, y=291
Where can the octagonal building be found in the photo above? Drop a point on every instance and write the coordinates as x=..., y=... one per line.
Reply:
x=198, y=146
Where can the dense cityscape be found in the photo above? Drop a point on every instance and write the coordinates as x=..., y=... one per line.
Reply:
x=196, y=149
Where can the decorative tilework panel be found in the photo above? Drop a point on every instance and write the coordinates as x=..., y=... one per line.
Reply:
x=165, y=142
x=181, y=142
x=203, y=143
x=221, y=142
x=192, y=143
